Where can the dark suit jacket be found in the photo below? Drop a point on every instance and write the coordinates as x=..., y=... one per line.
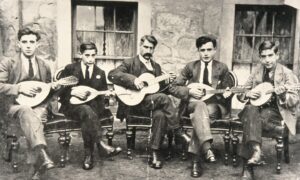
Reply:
x=191, y=74
x=125, y=74
x=97, y=81
x=10, y=73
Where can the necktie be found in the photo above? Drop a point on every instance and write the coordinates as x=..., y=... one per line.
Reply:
x=30, y=69
x=205, y=74
x=267, y=75
x=87, y=73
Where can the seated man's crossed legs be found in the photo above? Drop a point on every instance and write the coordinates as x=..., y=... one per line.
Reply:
x=31, y=122
x=164, y=112
x=201, y=115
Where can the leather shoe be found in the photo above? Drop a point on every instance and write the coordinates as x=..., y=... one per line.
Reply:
x=47, y=163
x=247, y=173
x=196, y=169
x=36, y=176
x=184, y=136
x=256, y=157
x=111, y=151
x=88, y=162
x=155, y=162
x=210, y=156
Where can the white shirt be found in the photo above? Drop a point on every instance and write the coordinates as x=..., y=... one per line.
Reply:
x=147, y=63
x=83, y=68
x=25, y=62
x=209, y=68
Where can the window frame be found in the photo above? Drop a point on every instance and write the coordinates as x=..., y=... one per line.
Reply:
x=114, y=31
x=227, y=29
x=65, y=20
x=255, y=35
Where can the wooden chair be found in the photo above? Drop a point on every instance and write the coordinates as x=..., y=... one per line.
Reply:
x=218, y=126
x=57, y=124
x=282, y=140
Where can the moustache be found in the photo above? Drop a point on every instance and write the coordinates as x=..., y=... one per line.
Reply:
x=147, y=54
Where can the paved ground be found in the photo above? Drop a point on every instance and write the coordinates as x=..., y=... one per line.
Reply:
x=137, y=169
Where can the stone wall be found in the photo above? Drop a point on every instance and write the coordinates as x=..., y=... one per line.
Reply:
x=177, y=24
x=38, y=14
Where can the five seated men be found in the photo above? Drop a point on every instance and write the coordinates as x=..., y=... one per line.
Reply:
x=206, y=71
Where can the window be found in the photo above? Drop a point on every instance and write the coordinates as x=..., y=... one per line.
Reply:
x=110, y=25
x=254, y=24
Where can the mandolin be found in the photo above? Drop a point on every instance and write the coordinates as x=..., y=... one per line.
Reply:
x=210, y=91
x=90, y=94
x=43, y=90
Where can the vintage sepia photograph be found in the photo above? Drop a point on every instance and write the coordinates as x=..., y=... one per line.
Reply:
x=149, y=89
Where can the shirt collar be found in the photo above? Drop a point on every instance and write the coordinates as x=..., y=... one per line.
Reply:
x=83, y=66
x=23, y=58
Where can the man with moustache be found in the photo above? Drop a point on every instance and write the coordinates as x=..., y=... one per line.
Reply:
x=207, y=70
x=127, y=74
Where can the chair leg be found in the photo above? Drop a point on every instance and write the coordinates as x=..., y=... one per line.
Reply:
x=286, y=150
x=133, y=138
x=184, y=148
x=226, y=139
x=170, y=145
x=129, y=142
x=235, y=142
x=15, y=145
x=279, y=148
x=64, y=140
x=109, y=136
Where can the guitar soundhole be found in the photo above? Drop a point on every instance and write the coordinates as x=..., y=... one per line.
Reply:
x=204, y=91
x=145, y=84
x=88, y=93
x=39, y=89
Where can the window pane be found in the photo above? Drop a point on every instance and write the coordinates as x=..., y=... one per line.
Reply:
x=105, y=18
x=285, y=50
x=243, y=49
x=263, y=23
x=124, y=18
x=85, y=18
x=244, y=22
x=124, y=44
x=283, y=23
x=110, y=44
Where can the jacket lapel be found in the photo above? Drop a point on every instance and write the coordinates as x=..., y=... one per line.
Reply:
x=137, y=66
x=215, y=71
x=42, y=69
x=16, y=70
x=196, y=71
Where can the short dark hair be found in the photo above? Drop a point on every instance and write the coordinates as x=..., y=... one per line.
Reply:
x=28, y=31
x=88, y=46
x=267, y=45
x=205, y=39
x=149, y=38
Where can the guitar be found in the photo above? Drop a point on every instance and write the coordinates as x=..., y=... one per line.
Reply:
x=134, y=97
x=266, y=89
x=90, y=94
x=210, y=91
x=43, y=90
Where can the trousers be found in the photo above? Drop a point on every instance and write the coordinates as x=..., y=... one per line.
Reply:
x=164, y=112
x=256, y=120
x=31, y=122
